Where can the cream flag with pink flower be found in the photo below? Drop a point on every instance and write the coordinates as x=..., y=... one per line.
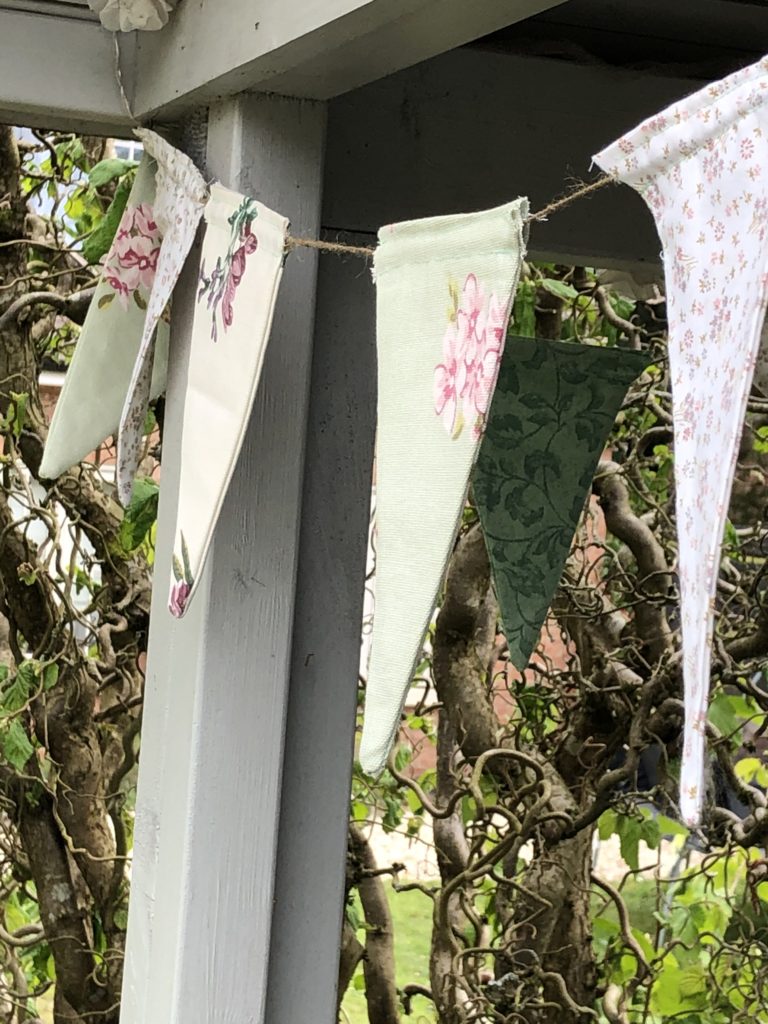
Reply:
x=88, y=409
x=701, y=165
x=240, y=271
x=444, y=292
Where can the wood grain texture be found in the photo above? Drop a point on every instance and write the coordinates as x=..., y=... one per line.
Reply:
x=81, y=96
x=317, y=49
x=473, y=129
x=207, y=877
x=309, y=890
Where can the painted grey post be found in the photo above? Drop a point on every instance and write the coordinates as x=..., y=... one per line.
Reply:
x=309, y=890
x=212, y=744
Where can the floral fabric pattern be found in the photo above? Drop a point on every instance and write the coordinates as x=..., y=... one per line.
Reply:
x=131, y=264
x=472, y=346
x=223, y=281
x=111, y=336
x=222, y=380
x=432, y=406
x=183, y=581
x=179, y=200
x=553, y=408
x=700, y=166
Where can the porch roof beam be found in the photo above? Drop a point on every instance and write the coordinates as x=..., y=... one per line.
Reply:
x=59, y=72
x=315, y=49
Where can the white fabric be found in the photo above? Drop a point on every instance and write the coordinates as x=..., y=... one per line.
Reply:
x=240, y=271
x=132, y=15
x=700, y=166
x=179, y=200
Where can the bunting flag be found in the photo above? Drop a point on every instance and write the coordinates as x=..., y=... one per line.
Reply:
x=88, y=409
x=444, y=289
x=180, y=197
x=700, y=166
x=554, y=406
x=240, y=271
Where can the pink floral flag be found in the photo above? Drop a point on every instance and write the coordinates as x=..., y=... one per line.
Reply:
x=88, y=410
x=240, y=271
x=179, y=201
x=700, y=166
x=444, y=290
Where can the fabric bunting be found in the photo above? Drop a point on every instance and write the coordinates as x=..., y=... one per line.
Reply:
x=240, y=271
x=553, y=408
x=700, y=166
x=88, y=409
x=444, y=289
x=179, y=201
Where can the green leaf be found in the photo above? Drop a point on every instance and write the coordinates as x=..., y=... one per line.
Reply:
x=18, y=412
x=21, y=687
x=105, y=299
x=107, y=170
x=16, y=745
x=141, y=513
x=99, y=241
x=665, y=994
x=50, y=676
x=729, y=713
x=559, y=288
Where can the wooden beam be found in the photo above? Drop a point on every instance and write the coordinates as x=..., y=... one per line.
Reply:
x=59, y=72
x=309, y=890
x=472, y=129
x=314, y=49
x=212, y=743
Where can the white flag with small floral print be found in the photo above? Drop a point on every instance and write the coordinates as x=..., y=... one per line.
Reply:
x=240, y=271
x=444, y=291
x=179, y=201
x=701, y=165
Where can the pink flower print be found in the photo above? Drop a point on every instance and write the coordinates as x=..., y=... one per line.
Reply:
x=747, y=149
x=472, y=347
x=144, y=221
x=183, y=581
x=450, y=379
x=222, y=283
x=485, y=367
x=177, y=602
x=470, y=309
x=120, y=288
x=137, y=259
x=131, y=264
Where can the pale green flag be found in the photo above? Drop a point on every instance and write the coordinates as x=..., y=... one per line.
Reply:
x=444, y=289
x=553, y=409
x=89, y=407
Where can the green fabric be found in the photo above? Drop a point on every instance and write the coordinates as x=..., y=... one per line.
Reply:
x=554, y=406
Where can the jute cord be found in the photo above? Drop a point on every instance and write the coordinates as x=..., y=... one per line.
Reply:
x=367, y=251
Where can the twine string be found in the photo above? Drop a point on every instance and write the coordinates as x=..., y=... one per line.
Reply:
x=367, y=251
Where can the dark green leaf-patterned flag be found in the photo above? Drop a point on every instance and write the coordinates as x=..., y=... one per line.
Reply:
x=554, y=406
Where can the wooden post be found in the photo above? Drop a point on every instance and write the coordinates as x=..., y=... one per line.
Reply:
x=309, y=891
x=212, y=743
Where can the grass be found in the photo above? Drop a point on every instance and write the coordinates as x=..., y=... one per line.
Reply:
x=412, y=925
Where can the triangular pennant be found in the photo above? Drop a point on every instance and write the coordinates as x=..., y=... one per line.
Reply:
x=554, y=406
x=240, y=271
x=700, y=166
x=180, y=197
x=88, y=409
x=444, y=288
